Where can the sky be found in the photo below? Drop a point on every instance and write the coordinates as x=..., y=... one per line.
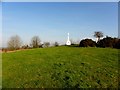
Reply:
x=0, y=24
x=51, y=21
x=60, y=0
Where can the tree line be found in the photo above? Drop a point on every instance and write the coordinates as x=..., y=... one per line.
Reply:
x=15, y=42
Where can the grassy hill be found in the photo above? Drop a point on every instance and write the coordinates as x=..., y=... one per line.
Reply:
x=61, y=67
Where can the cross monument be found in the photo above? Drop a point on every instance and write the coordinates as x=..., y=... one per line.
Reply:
x=68, y=41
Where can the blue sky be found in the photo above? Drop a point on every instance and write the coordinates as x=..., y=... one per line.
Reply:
x=0, y=24
x=52, y=21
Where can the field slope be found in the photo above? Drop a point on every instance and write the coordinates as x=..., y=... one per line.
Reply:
x=61, y=67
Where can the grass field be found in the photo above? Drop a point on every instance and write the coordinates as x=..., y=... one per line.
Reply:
x=61, y=67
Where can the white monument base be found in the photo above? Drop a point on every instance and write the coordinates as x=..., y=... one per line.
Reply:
x=68, y=43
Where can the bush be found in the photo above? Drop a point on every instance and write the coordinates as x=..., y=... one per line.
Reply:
x=56, y=44
x=25, y=47
x=116, y=43
x=46, y=44
x=109, y=42
x=87, y=42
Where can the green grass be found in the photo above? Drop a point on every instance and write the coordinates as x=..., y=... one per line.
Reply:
x=61, y=67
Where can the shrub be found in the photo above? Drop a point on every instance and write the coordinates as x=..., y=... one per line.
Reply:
x=56, y=44
x=109, y=42
x=46, y=44
x=25, y=47
x=87, y=42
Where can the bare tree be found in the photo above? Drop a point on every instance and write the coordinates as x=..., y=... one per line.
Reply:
x=98, y=35
x=14, y=42
x=35, y=42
